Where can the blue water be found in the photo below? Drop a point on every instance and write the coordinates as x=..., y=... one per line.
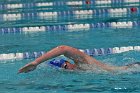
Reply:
x=46, y=79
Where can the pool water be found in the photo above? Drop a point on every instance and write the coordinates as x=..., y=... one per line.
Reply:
x=46, y=79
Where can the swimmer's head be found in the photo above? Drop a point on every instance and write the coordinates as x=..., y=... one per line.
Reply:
x=61, y=63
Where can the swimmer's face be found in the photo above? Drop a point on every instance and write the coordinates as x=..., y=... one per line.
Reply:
x=68, y=65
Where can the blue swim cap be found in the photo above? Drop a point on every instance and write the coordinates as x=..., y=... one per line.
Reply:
x=57, y=62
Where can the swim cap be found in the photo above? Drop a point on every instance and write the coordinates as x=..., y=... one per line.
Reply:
x=57, y=62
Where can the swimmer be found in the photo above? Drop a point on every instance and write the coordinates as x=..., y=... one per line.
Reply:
x=72, y=53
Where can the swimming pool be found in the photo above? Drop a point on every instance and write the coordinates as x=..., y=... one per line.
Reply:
x=47, y=79
x=30, y=29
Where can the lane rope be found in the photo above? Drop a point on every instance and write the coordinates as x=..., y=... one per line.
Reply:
x=70, y=27
x=95, y=13
x=98, y=3
x=91, y=52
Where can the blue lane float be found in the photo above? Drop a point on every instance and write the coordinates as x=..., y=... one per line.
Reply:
x=96, y=3
x=70, y=27
x=91, y=52
x=79, y=14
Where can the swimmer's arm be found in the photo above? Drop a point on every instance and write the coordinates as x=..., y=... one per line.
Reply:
x=60, y=50
x=50, y=54
x=70, y=52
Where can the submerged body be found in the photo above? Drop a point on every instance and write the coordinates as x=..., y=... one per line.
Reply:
x=74, y=54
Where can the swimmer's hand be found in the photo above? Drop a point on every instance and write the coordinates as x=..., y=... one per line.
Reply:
x=27, y=68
